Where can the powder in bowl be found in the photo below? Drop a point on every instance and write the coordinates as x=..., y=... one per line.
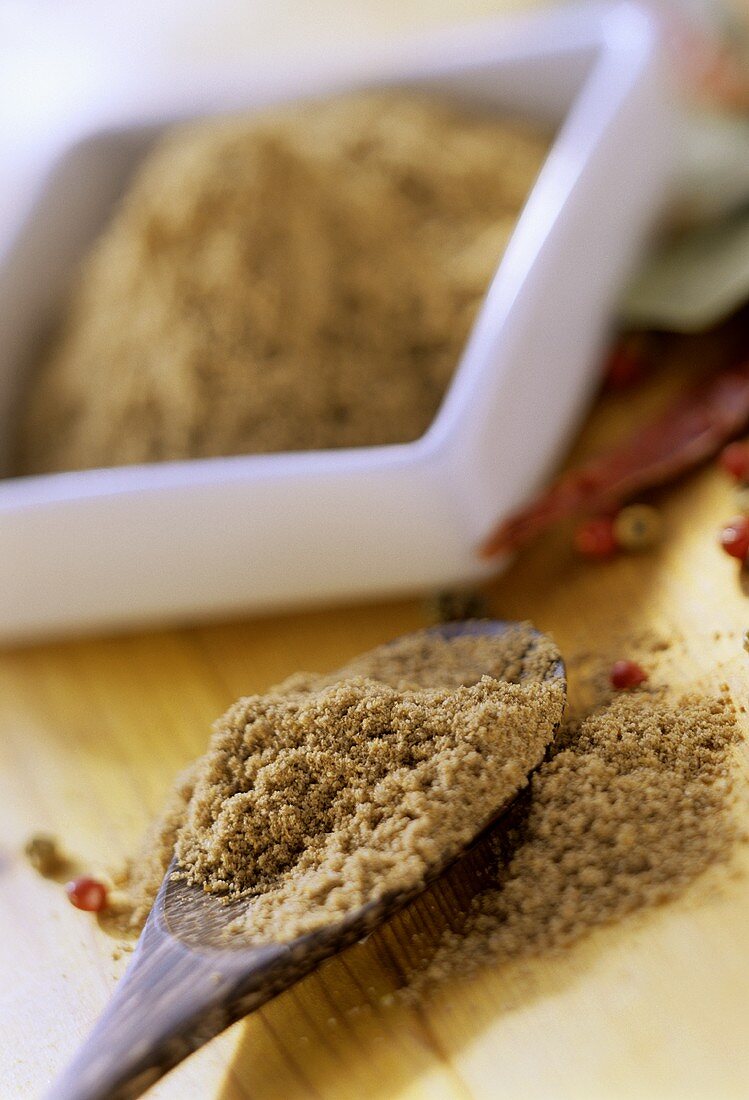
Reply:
x=292, y=281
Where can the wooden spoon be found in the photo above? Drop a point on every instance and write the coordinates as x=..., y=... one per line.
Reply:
x=185, y=983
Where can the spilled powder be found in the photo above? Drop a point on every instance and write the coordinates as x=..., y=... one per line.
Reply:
x=296, y=280
x=633, y=803
x=45, y=855
x=329, y=792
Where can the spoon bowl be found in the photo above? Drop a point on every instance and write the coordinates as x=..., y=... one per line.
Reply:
x=188, y=980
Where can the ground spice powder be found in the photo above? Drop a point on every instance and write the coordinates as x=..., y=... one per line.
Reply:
x=633, y=804
x=303, y=279
x=318, y=797
x=633, y=801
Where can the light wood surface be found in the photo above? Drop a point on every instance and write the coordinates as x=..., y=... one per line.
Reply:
x=92, y=731
x=186, y=984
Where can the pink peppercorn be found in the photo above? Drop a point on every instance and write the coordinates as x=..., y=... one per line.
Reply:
x=595, y=538
x=87, y=893
x=734, y=538
x=734, y=459
x=627, y=674
x=627, y=364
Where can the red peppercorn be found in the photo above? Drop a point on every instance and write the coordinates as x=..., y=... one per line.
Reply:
x=627, y=364
x=595, y=538
x=87, y=893
x=734, y=459
x=627, y=674
x=734, y=538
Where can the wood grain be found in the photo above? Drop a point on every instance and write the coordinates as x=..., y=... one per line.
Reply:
x=187, y=982
x=91, y=732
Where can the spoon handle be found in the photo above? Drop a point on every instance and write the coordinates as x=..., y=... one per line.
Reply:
x=171, y=1001
x=142, y=1033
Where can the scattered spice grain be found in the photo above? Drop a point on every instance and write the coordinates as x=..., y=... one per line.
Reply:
x=44, y=854
x=456, y=605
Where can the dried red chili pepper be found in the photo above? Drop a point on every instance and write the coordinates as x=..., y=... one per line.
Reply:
x=685, y=434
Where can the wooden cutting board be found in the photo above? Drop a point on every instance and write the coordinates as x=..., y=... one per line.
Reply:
x=91, y=733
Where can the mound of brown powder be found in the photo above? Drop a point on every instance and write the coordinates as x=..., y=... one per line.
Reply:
x=301, y=280
x=333, y=787
x=632, y=806
x=331, y=791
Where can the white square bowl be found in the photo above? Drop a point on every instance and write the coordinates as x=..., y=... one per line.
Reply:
x=186, y=540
